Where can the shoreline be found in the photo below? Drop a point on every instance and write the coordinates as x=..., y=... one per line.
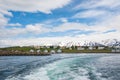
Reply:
x=48, y=54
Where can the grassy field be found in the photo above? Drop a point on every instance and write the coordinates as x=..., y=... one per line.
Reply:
x=86, y=51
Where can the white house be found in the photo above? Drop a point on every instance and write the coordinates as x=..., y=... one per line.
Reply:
x=47, y=46
x=90, y=48
x=54, y=47
x=59, y=51
x=113, y=50
x=31, y=50
x=37, y=47
x=70, y=48
x=117, y=47
x=100, y=47
x=80, y=48
x=52, y=51
x=45, y=51
x=38, y=51
x=118, y=50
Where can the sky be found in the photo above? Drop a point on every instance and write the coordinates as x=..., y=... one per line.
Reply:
x=38, y=22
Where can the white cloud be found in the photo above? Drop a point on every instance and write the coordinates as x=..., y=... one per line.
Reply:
x=3, y=20
x=105, y=3
x=14, y=25
x=33, y=29
x=70, y=26
x=44, y=6
x=90, y=14
x=64, y=20
x=92, y=4
x=53, y=40
x=37, y=28
x=9, y=33
x=5, y=12
x=111, y=23
x=98, y=9
x=100, y=36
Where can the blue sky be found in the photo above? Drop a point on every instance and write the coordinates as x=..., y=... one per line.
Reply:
x=50, y=20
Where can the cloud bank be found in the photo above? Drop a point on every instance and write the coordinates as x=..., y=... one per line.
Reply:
x=101, y=18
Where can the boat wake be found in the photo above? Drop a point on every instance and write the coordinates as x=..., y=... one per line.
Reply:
x=75, y=68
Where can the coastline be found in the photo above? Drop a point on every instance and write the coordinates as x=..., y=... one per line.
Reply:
x=48, y=54
x=49, y=50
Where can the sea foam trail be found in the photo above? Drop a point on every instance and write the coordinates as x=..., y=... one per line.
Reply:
x=65, y=69
x=56, y=72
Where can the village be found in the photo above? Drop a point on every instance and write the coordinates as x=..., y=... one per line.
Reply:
x=47, y=50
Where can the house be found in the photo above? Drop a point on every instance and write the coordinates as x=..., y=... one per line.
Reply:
x=117, y=50
x=80, y=48
x=59, y=51
x=55, y=47
x=45, y=51
x=38, y=51
x=113, y=50
x=42, y=47
x=52, y=51
x=70, y=48
x=62, y=47
x=90, y=48
x=117, y=47
x=47, y=46
x=100, y=47
x=31, y=51
x=37, y=47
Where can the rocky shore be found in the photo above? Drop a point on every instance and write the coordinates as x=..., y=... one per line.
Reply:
x=20, y=53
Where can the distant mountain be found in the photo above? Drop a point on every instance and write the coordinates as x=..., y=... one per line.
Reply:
x=111, y=42
x=108, y=42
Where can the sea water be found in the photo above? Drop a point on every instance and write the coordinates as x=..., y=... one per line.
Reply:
x=61, y=67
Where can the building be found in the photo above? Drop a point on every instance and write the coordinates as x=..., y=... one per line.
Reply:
x=117, y=50
x=31, y=51
x=37, y=47
x=100, y=47
x=52, y=51
x=38, y=51
x=62, y=47
x=70, y=48
x=113, y=50
x=45, y=51
x=55, y=47
x=80, y=48
x=90, y=48
x=47, y=46
x=116, y=47
x=59, y=51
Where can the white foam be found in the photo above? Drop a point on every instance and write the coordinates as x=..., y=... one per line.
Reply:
x=83, y=71
x=57, y=68
x=40, y=74
x=81, y=78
